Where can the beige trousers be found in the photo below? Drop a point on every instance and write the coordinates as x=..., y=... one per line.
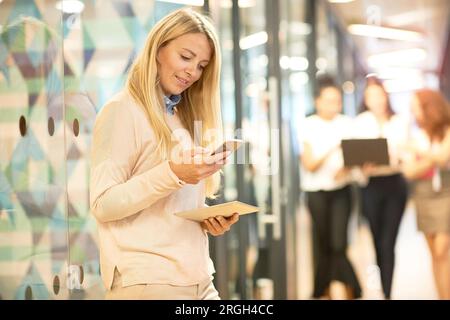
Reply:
x=201, y=291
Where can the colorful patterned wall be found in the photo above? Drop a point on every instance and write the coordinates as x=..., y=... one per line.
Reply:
x=56, y=71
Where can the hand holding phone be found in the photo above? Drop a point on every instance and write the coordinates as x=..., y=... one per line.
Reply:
x=230, y=145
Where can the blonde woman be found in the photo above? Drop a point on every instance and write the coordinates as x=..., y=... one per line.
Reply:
x=149, y=160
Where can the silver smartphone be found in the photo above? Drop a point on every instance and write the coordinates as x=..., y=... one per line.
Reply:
x=229, y=145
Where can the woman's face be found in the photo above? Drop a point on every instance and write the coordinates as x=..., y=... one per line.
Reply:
x=416, y=110
x=376, y=100
x=329, y=103
x=181, y=62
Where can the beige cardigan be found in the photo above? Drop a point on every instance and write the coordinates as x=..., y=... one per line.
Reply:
x=134, y=195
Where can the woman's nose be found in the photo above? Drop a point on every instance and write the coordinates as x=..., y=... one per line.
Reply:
x=191, y=70
x=188, y=72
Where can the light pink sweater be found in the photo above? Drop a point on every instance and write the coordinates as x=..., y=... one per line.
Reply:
x=134, y=195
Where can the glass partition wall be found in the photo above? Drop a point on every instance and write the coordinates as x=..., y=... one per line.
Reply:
x=59, y=63
x=33, y=208
x=261, y=255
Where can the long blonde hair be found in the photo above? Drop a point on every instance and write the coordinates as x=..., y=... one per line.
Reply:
x=200, y=102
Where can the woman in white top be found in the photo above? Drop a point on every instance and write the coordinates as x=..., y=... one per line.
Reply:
x=149, y=161
x=328, y=193
x=429, y=169
x=384, y=197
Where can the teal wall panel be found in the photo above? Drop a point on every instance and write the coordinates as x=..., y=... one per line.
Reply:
x=57, y=69
x=33, y=220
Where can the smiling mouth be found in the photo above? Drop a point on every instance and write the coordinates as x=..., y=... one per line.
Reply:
x=182, y=81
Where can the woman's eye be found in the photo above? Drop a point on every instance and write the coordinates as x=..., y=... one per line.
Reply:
x=201, y=68
x=185, y=58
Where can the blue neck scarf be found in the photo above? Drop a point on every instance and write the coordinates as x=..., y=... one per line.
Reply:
x=171, y=102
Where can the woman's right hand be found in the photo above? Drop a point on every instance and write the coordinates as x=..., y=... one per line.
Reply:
x=368, y=169
x=196, y=164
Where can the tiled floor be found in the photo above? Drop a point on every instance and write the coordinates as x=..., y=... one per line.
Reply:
x=413, y=277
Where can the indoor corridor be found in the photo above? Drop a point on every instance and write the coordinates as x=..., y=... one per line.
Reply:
x=413, y=278
x=62, y=61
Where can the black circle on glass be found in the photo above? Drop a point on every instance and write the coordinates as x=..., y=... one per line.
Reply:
x=28, y=293
x=81, y=274
x=23, y=126
x=56, y=285
x=51, y=126
x=76, y=127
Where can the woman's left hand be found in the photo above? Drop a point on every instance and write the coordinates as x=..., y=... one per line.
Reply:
x=217, y=226
x=341, y=173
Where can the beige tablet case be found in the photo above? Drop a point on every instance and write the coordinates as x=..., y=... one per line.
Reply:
x=223, y=209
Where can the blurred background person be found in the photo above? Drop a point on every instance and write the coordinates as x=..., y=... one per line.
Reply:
x=327, y=187
x=428, y=166
x=385, y=194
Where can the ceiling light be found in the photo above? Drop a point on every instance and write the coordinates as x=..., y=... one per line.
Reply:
x=285, y=62
x=340, y=1
x=299, y=63
x=397, y=58
x=227, y=4
x=321, y=64
x=294, y=63
x=396, y=73
x=253, y=40
x=70, y=6
x=296, y=27
x=197, y=3
x=348, y=87
x=373, y=31
x=400, y=85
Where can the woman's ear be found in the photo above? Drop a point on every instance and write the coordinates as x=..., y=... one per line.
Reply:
x=158, y=52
